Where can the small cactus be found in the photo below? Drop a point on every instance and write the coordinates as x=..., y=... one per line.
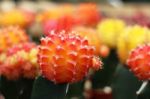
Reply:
x=109, y=30
x=19, y=61
x=129, y=39
x=88, y=14
x=11, y=36
x=16, y=17
x=139, y=62
x=66, y=58
x=55, y=13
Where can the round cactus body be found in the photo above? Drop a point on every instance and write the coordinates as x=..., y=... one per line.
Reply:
x=66, y=58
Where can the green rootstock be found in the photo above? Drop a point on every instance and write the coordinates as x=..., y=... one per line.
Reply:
x=45, y=89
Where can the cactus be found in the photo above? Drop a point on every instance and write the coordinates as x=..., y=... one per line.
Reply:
x=10, y=36
x=63, y=58
x=18, y=68
x=109, y=30
x=68, y=55
x=16, y=17
x=124, y=46
x=66, y=58
x=138, y=62
x=126, y=42
x=19, y=61
x=88, y=14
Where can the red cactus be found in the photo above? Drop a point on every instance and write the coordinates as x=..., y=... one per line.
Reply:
x=65, y=57
x=139, y=62
x=18, y=61
x=63, y=23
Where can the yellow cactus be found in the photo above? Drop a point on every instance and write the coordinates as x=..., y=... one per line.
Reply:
x=10, y=36
x=109, y=29
x=13, y=17
x=129, y=39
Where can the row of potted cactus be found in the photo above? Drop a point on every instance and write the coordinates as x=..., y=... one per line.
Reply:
x=72, y=43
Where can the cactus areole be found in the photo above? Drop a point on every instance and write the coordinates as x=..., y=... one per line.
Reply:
x=66, y=57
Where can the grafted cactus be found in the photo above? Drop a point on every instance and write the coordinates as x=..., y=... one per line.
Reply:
x=66, y=58
x=20, y=61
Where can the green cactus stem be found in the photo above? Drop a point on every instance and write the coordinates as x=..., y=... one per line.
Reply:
x=45, y=89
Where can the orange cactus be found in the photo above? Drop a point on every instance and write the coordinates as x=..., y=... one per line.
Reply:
x=19, y=61
x=15, y=17
x=88, y=13
x=66, y=57
x=93, y=39
x=56, y=12
x=139, y=62
x=11, y=36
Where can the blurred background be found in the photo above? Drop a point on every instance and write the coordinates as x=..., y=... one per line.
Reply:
x=110, y=18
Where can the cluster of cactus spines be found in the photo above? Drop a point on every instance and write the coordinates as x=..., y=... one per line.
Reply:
x=109, y=30
x=139, y=62
x=129, y=39
x=11, y=36
x=66, y=57
x=19, y=61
